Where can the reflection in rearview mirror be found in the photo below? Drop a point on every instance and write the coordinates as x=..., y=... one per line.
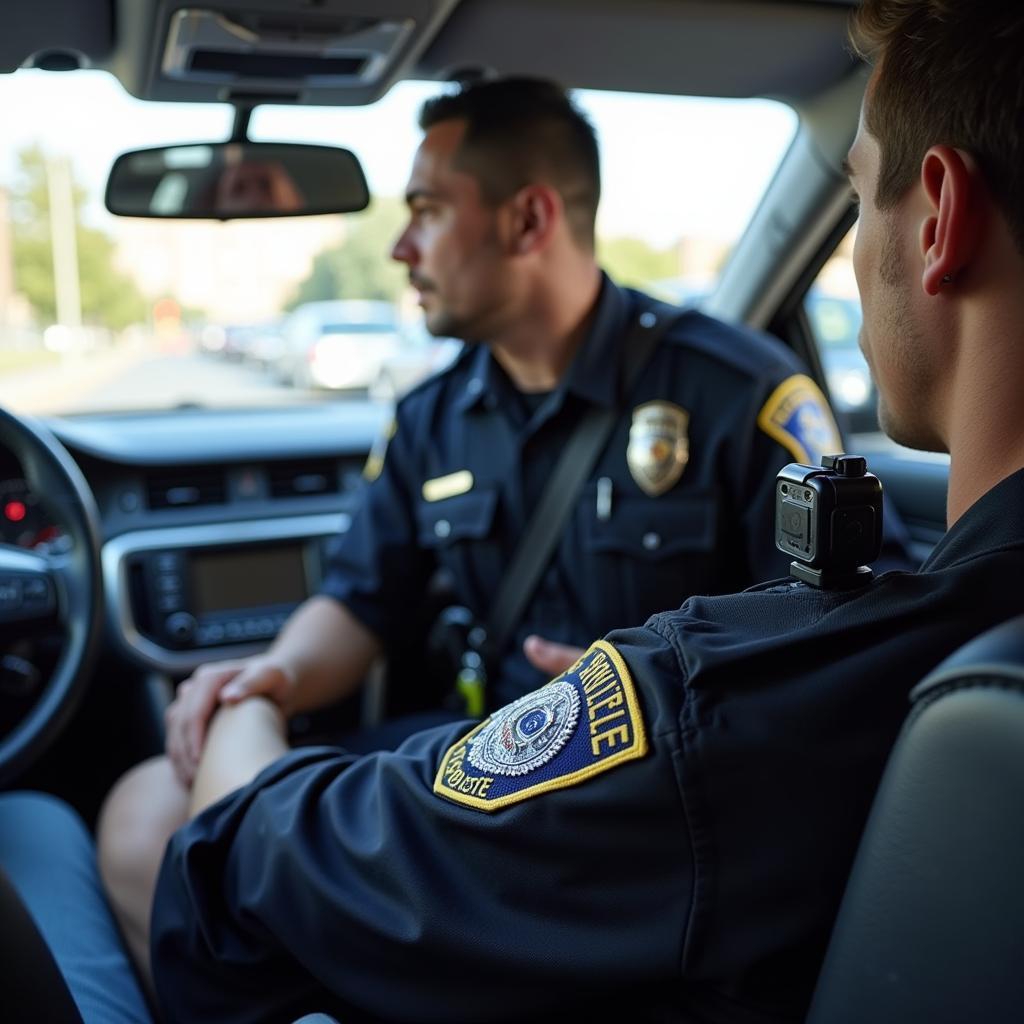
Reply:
x=229, y=180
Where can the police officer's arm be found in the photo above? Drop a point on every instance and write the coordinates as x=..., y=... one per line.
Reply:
x=445, y=881
x=326, y=652
x=321, y=655
x=376, y=574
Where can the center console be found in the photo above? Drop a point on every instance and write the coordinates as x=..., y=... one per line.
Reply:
x=182, y=596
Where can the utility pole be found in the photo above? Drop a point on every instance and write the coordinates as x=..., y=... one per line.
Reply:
x=63, y=240
x=6, y=262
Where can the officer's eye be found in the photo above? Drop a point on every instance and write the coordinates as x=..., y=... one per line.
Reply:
x=424, y=210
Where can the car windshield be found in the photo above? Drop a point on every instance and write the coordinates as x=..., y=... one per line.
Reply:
x=357, y=328
x=99, y=313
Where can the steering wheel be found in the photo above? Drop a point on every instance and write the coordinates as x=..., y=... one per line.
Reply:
x=38, y=590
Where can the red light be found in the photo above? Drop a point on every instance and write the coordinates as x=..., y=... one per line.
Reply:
x=15, y=511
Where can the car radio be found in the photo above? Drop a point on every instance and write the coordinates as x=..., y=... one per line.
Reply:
x=189, y=598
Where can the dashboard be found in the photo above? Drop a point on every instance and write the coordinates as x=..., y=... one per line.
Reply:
x=24, y=519
x=215, y=524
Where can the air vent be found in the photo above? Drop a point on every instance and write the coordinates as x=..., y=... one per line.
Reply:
x=297, y=480
x=185, y=488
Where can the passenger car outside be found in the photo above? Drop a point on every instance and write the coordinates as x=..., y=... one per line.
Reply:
x=338, y=346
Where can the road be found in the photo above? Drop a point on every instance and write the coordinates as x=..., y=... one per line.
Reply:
x=143, y=375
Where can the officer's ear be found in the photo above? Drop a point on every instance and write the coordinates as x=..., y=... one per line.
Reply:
x=532, y=218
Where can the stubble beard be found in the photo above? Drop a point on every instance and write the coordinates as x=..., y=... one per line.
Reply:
x=903, y=413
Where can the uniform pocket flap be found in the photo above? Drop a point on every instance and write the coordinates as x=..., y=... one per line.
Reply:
x=467, y=516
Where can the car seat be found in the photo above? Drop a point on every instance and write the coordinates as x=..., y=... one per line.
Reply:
x=931, y=927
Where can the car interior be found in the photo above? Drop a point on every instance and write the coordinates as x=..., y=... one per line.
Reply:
x=161, y=537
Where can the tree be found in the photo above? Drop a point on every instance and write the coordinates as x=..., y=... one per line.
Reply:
x=109, y=298
x=360, y=266
x=631, y=261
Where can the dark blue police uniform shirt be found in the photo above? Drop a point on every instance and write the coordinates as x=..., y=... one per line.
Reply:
x=469, y=460
x=674, y=852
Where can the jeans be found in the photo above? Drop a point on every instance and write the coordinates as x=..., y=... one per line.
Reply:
x=50, y=859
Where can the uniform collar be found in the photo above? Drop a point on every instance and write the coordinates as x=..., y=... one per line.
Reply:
x=588, y=375
x=992, y=522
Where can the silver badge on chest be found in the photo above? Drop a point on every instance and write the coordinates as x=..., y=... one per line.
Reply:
x=659, y=446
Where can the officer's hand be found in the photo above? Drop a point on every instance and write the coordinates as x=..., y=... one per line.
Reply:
x=188, y=716
x=550, y=657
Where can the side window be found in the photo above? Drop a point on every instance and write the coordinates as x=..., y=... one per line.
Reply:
x=833, y=312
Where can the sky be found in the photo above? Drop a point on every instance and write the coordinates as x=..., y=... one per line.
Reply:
x=670, y=166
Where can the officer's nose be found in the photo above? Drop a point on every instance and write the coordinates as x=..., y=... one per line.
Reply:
x=403, y=250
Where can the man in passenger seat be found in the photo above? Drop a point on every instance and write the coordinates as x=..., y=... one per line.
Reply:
x=502, y=201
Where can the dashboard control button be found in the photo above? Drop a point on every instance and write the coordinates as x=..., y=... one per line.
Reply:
x=180, y=626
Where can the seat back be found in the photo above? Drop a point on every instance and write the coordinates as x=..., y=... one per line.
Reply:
x=931, y=927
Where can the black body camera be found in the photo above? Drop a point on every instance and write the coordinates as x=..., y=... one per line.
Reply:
x=829, y=519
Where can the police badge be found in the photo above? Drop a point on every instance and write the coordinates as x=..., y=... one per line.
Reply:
x=659, y=447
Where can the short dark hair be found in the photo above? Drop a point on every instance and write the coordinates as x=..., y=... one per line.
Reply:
x=525, y=130
x=948, y=72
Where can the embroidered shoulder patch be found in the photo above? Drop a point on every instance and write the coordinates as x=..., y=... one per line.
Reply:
x=582, y=723
x=798, y=416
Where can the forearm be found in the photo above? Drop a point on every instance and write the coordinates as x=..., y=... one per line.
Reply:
x=328, y=651
x=243, y=739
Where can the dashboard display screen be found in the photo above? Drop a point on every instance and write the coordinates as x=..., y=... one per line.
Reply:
x=252, y=578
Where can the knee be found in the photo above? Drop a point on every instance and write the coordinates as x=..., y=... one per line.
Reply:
x=145, y=806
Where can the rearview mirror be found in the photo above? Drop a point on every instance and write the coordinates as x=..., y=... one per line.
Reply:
x=229, y=180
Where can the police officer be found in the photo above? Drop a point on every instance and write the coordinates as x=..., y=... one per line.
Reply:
x=502, y=201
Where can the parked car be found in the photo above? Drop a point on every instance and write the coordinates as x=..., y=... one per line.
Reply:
x=418, y=355
x=266, y=343
x=339, y=346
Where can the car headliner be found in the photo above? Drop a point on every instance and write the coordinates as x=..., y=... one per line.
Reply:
x=786, y=50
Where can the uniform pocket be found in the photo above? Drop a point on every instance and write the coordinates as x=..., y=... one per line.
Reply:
x=652, y=529
x=467, y=516
x=649, y=555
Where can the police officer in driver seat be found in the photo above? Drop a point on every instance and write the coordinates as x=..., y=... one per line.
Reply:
x=677, y=497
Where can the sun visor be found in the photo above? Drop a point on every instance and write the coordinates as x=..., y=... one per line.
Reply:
x=58, y=35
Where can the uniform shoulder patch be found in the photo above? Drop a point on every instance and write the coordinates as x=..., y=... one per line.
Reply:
x=584, y=722
x=798, y=416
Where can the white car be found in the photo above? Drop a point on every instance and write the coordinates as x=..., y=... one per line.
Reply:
x=338, y=346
